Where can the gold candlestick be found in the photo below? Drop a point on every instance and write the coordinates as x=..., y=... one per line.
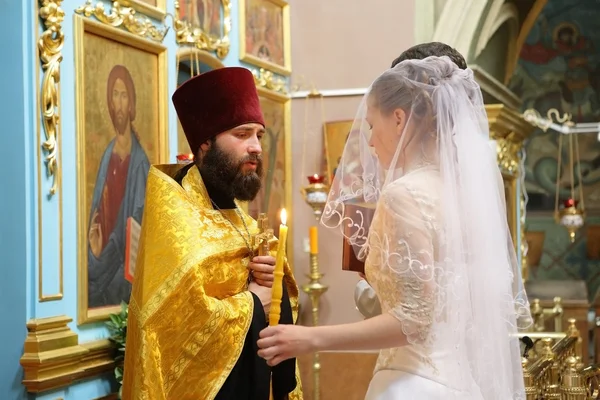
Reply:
x=314, y=288
x=315, y=195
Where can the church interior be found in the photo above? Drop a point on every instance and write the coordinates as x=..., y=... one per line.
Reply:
x=537, y=63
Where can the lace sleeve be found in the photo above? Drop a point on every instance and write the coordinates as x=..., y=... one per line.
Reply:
x=406, y=250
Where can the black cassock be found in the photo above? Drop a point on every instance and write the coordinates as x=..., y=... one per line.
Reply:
x=250, y=377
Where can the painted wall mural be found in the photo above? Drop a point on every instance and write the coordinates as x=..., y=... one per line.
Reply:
x=559, y=67
x=563, y=260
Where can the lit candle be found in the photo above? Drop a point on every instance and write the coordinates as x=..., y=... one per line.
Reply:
x=277, y=293
x=314, y=240
x=315, y=178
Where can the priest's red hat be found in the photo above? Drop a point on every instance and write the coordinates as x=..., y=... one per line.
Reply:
x=215, y=102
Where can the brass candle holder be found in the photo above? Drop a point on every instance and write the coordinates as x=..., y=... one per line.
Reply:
x=315, y=195
x=314, y=289
x=571, y=217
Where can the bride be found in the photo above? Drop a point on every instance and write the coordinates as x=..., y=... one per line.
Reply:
x=437, y=249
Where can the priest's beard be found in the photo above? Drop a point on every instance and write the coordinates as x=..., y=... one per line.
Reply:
x=227, y=175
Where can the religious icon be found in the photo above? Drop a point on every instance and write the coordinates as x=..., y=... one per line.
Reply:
x=203, y=14
x=120, y=134
x=275, y=192
x=336, y=135
x=265, y=34
x=118, y=193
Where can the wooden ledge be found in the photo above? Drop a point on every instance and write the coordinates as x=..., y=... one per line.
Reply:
x=53, y=357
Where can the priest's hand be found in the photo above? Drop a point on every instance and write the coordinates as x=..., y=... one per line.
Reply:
x=262, y=269
x=281, y=342
x=263, y=293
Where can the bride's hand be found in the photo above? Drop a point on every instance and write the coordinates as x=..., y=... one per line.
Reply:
x=281, y=342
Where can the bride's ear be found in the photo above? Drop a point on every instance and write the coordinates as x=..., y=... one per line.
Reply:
x=400, y=117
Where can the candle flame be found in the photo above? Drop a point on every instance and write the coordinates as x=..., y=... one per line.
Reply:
x=283, y=216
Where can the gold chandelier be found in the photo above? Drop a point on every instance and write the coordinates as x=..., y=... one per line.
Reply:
x=571, y=213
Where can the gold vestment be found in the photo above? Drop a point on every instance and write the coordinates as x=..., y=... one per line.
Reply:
x=190, y=309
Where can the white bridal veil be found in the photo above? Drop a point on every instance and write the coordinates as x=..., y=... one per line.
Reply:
x=418, y=194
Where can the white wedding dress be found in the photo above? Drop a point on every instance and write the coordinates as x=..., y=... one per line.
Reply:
x=429, y=367
x=438, y=251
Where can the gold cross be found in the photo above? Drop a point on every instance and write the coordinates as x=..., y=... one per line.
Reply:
x=264, y=235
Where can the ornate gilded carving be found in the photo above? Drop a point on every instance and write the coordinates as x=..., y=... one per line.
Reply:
x=267, y=80
x=509, y=129
x=553, y=367
x=50, y=45
x=552, y=117
x=53, y=358
x=124, y=17
x=156, y=9
x=187, y=34
x=508, y=154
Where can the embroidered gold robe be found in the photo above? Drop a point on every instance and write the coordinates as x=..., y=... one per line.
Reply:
x=190, y=310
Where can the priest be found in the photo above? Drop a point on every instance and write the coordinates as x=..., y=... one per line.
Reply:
x=201, y=293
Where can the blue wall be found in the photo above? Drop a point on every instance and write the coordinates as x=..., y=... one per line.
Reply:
x=24, y=201
x=561, y=259
x=16, y=219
